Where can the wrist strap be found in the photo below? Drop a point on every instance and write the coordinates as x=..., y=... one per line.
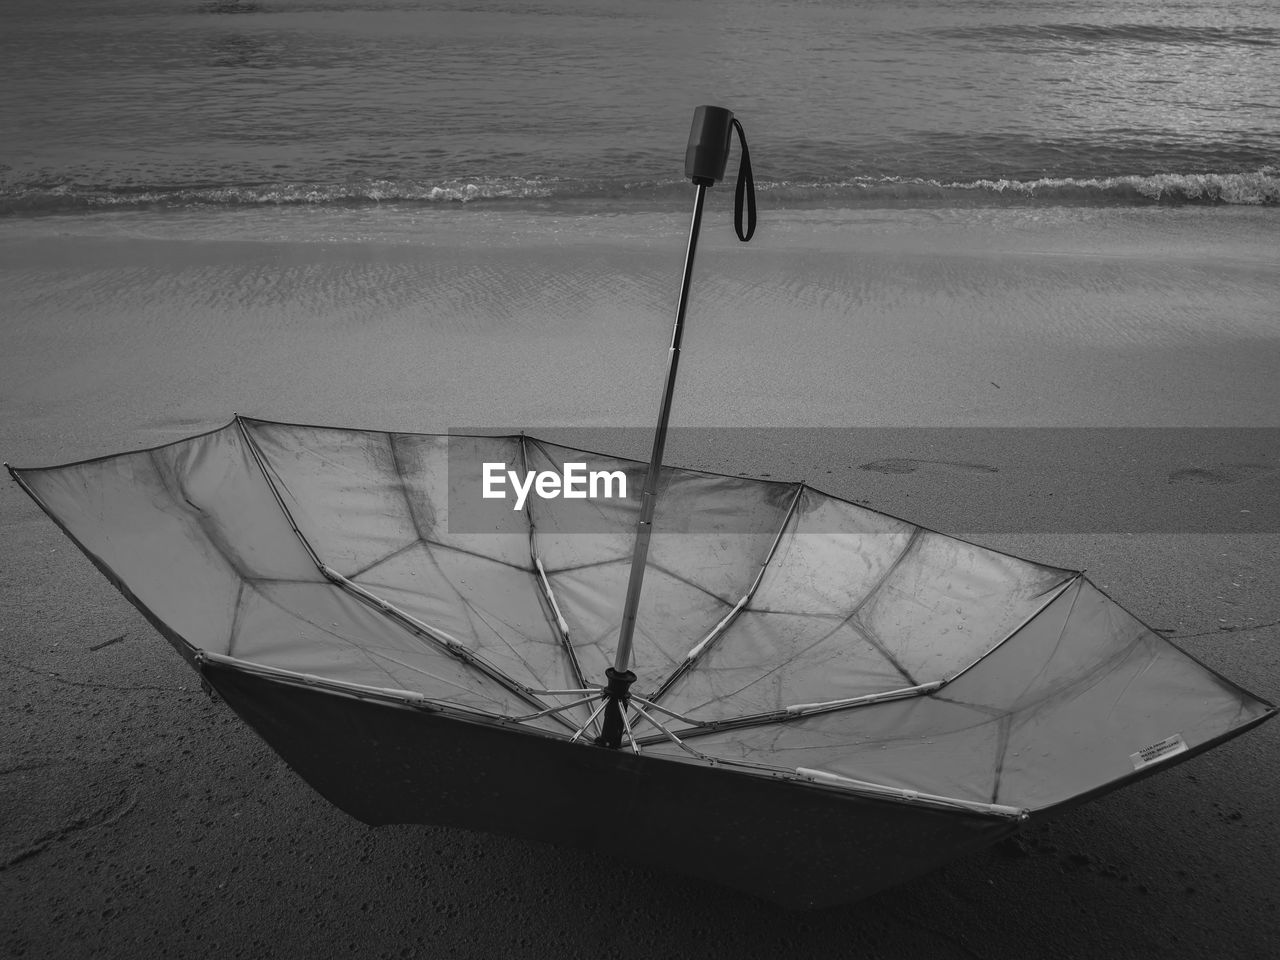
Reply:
x=746, y=190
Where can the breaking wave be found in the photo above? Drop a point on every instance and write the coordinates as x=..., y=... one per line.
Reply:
x=1259, y=187
x=1130, y=33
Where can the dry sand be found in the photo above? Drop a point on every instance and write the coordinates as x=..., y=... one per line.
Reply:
x=142, y=819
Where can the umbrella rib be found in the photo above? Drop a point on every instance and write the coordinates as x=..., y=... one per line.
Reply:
x=795, y=655
x=794, y=711
x=478, y=614
x=1096, y=673
x=626, y=725
x=1053, y=593
x=663, y=728
x=866, y=786
x=422, y=538
x=825, y=706
x=590, y=720
x=850, y=620
x=557, y=709
x=719, y=629
x=414, y=698
x=367, y=654
x=266, y=476
x=559, y=624
x=449, y=644
x=861, y=787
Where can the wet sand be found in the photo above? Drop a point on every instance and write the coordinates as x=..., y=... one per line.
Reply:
x=144, y=819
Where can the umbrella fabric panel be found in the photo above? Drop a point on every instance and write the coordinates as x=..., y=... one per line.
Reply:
x=716, y=535
x=460, y=518
x=794, y=641
x=947, y=602
x=572, y=533
x=195, y=536
x=672, y=611
x=321, y=630
x=1084, y=702
x=496, y=610
x=855, y=603
x=767, y=661
x=689, y=501
x=675, y=613
x=181, y=527
x=377, y=507
x=833, y=555
x=360, y=496
x=922, y=743
x=586, y=549
x=1057, y=711
x=712, y=537
x=342, y=489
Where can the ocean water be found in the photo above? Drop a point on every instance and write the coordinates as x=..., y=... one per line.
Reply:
x=110, y=105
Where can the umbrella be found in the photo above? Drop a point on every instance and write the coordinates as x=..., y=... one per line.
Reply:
x=745, y=680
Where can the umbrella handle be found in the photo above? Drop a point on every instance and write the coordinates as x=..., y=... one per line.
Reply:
x=707, y=155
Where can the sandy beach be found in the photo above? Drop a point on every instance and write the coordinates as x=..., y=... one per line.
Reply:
x=143, y=819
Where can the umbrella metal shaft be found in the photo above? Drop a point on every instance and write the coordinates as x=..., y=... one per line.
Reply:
x=649, y=495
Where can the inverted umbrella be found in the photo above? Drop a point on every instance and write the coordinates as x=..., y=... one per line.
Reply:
x=746, y=680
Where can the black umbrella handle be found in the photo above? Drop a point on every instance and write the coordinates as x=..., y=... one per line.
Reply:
x=707, y=155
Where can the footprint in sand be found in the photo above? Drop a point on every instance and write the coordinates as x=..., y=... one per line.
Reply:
x=903, y=465
x=1229, y=473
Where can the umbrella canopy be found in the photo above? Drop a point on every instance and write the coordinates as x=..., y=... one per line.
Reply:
x=827, y=699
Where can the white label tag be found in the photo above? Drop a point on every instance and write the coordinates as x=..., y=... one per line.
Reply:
x=1158, y=751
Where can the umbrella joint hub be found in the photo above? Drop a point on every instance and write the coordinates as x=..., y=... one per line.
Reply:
x=617, y=693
